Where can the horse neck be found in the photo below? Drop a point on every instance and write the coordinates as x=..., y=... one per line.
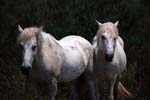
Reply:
x=47, y=55
x=100, y=56
x=50, y=41
x=49, y=46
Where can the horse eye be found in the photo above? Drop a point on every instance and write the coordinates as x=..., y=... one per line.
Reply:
x=34, y=47
x=103, y=37
x=115, y=39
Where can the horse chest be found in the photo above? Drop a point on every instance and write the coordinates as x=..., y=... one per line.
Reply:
x=39, y=76
x=104, y=68
x=41, y=73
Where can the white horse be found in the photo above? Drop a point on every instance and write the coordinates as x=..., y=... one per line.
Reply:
x=47, y=61
x=110, y=58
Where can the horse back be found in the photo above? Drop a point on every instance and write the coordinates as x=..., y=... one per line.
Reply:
x=78, y=42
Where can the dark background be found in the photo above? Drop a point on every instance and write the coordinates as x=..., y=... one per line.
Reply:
x=66, y=17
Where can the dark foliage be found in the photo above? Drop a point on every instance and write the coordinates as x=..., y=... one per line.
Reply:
x=66, y=17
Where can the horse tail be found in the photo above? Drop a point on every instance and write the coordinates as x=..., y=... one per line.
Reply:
x=124, y=91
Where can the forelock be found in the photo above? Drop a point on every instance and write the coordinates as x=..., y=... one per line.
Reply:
x=109, y=27
x=27, y=34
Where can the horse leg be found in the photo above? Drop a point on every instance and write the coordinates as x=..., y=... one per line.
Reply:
x=73, y=91
x=93, y=92
x=37, y=90
x=79, y=88
x=97, y=89
x=111, y=84
x=116, y=88
x=91, y=79
x=90, y=76
x=52, y=87
x=101, y=90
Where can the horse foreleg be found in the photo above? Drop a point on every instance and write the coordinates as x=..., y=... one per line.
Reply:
x=37, y=91
x=111, y=84
x=116, y=88
x=52, y=88
x=101, y=90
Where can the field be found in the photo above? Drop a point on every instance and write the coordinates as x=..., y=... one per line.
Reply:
x=66, y=17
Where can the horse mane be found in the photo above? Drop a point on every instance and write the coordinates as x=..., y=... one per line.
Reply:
x=27, y=34
x=47, y=38
x=110, y=27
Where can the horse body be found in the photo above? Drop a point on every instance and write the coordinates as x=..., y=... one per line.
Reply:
x=67, y=61
x=110, y=58
x=77, y=52
x=54, y=61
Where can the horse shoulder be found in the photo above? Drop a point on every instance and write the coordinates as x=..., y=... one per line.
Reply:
x=52, y=54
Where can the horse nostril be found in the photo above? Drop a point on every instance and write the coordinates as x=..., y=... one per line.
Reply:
x=25, y=70
x=29, y=67
x=108, y=57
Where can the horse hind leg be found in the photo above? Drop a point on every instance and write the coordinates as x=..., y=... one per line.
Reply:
x=91, y=80
x=78, y=89
x=73, y=91
x=93, y=89
x=86, y=87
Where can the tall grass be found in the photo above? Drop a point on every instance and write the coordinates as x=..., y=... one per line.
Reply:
x=65, y=17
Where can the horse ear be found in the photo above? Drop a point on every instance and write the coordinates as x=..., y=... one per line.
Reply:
x=38, y=33
x=116, y=23
x=20, y=29
x=40, y=29
x=99, y=23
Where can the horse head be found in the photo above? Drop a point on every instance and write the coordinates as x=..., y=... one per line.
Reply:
x=28, y=44
x=106, y=38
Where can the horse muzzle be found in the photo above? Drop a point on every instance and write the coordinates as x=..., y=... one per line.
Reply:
x=25, y=70
x=109, y=57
